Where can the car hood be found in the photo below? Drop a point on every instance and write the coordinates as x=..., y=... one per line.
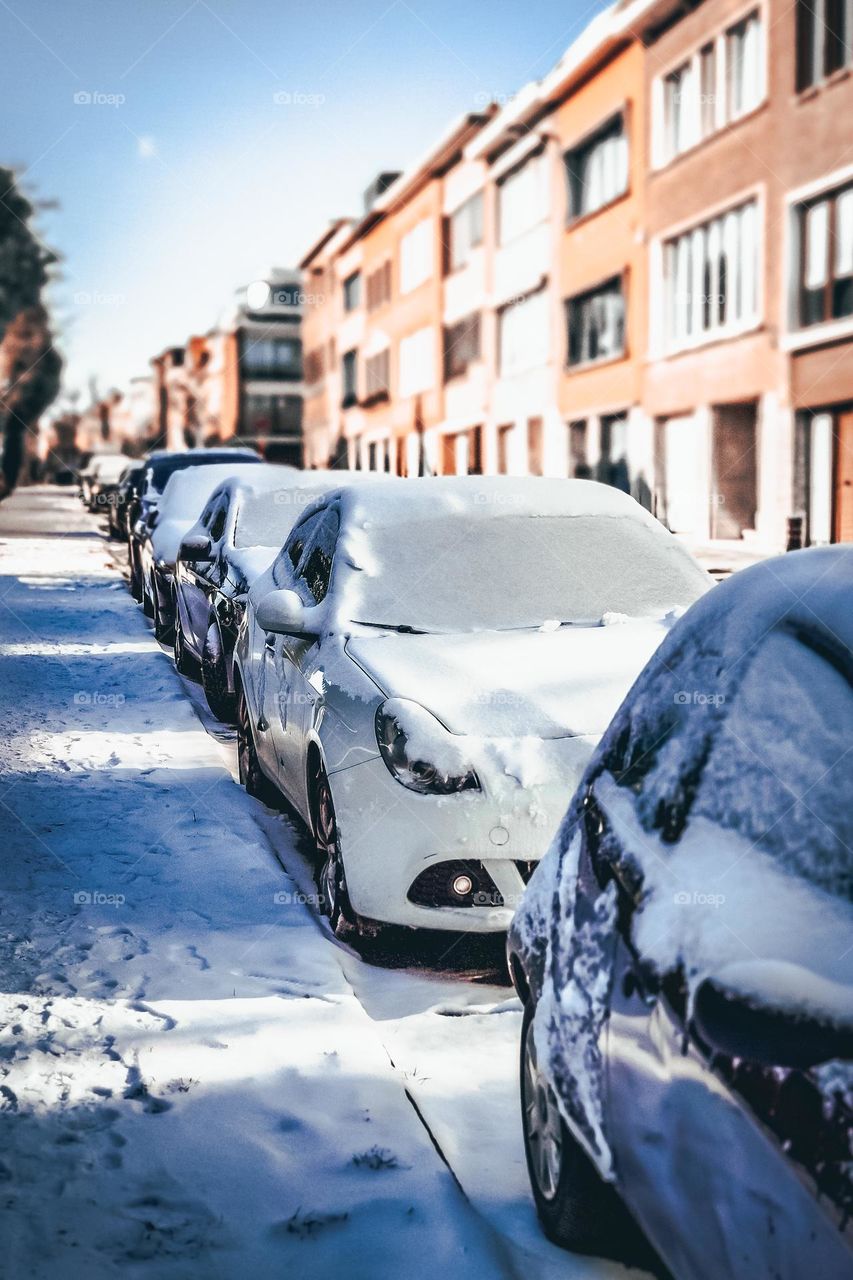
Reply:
x=545, y=684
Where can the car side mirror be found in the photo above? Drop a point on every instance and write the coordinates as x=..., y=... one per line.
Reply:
x=196, y=546
x=283, y=613
x=774, y=1024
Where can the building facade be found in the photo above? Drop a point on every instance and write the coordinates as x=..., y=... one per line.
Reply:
x=640, y=269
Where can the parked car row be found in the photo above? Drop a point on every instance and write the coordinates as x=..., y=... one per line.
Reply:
x=429, y=671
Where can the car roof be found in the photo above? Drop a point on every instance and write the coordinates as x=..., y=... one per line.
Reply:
x=809, y=590
x=438, y=498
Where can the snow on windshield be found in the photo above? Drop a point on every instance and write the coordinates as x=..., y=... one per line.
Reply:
x=265, y=519
x=472, y=574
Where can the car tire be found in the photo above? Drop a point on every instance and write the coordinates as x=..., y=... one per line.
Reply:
x=577, y=1209
x=252, y=775
x=214, y=676
x=185, y=663
x=164, y=628
x=135, y=579
x=331, y=877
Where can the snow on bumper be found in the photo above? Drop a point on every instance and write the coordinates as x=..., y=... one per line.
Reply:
x=401, y=849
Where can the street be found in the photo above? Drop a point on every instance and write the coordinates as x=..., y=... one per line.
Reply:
x=195, y=1076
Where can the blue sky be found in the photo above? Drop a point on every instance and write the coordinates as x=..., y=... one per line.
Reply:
x=181, y=177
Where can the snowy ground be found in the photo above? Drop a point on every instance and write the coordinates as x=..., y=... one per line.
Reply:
x=195, y=1077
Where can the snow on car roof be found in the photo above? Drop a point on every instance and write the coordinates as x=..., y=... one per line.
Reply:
x=488, y=497
x=187, y=491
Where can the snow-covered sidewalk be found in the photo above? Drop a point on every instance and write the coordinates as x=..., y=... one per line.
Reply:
x=195, y=1079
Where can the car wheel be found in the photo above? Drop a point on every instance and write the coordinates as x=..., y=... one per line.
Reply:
x=331, y=878
x=164, y=628
x=577, y=1209
x=184, y=661
x=135, y=579
x=252, y=776
x=214, y=677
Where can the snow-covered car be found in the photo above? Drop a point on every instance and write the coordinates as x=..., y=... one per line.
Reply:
x=160, y=465
x=125, y=494
x=184, y=497
x=425, y=668
x=102, y=473
x=236, y=538
x=685, y=950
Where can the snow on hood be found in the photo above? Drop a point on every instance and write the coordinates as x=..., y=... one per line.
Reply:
x=181, y=504
x=543, y=684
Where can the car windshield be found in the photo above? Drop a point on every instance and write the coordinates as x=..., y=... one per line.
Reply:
x=265, y=519
x=161, y=470
x=480, y=574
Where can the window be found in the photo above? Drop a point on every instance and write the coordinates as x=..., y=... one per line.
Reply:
x=271, y=415
x=349, y=379
x=461, y=346
x=534, y=446
x=416, y=256
x=377, y=375
x=377, y=455
x=824, y=31
x=379, y=286
x=523, y=334
x=596, y=324
x=578, y=465
x=267, y=357
x=826, y=258
x=597, y=170
x=744, y=56
x=316, y=569
x=711, y=278
x=612, y=466
x=464, y=231
x=522, y=199
x=315, y=366
x=217, y=524
x=352, y=291
x=504, y=437
x=293, y=548
x=416, y=363
x=722, y=81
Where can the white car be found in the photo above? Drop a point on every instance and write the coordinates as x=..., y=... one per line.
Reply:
x=425, y=669
x=184, y=496
x=237, y=536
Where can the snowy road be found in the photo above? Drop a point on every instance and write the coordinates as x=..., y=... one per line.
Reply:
x=195, y=1077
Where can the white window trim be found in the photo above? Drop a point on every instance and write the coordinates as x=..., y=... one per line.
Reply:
x=660, y=159
x=793, y=335
x=657, y=346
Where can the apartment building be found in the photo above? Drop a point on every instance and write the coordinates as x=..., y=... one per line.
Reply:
x=812, y=55
x=640, y=269
x=322, y=425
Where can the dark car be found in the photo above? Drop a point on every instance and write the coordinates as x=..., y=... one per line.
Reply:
x=160, y=466
x=684, y=952
x=238, y=535
x=124, y=495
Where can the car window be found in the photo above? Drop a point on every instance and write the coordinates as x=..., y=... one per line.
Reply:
x=780, y=770
x=217, y=524
x=287, y=560
x=315, y=569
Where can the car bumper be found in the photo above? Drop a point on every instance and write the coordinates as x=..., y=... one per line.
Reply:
x=398, y=845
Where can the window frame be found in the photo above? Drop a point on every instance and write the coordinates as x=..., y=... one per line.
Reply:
x=351, y=288
x=583, y=295
x=586, y=143
x=801, y=209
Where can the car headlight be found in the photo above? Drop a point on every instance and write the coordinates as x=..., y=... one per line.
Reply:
x=419, y=752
